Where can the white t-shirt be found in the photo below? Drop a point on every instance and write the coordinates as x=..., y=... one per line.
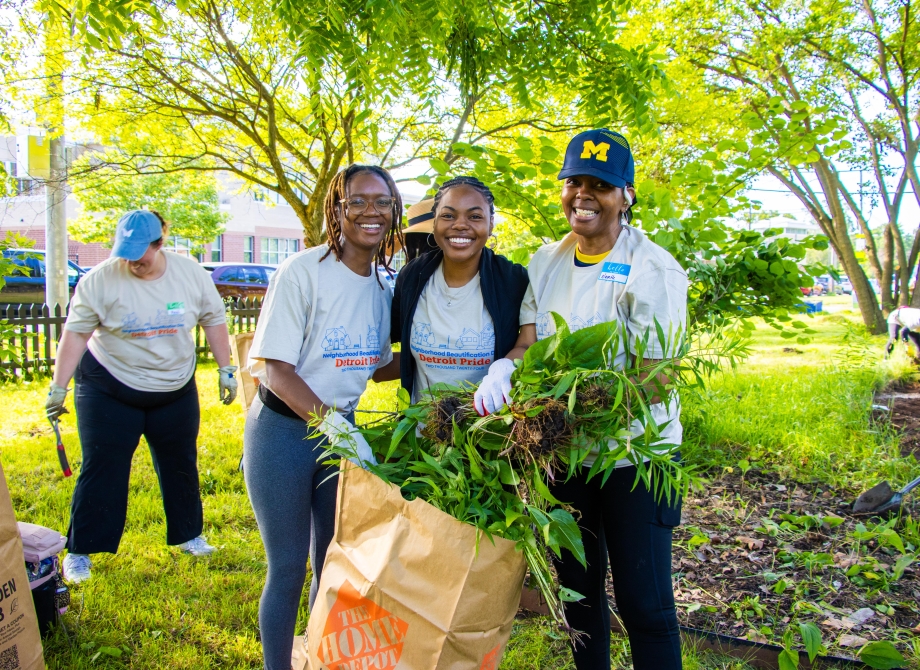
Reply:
x=331, y=324
x=142, y=329
x=452, y=337
x=906, y=317
x=637, y=283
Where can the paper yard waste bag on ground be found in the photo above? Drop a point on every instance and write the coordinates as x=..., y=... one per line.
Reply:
x=20, y=642
x=404, y=587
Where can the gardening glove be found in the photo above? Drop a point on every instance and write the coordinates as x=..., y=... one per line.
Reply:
x=227, y=383
x=54, y=405
x=495, y=390
x=339, y=429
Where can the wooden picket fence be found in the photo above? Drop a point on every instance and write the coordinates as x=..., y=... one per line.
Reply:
x=29, y=334
x=243, y=316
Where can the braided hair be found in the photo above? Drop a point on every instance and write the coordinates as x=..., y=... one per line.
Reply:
x=332, y=207
x=465, y=181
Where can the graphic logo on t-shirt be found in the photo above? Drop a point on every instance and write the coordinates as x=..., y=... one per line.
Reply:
x=547, y=327
x=422, y=335
x=577, y=323
x=373, y=338
x=164, y=324
x=469, y=349
x=615, y=272
x=338, y=339
x=347, y=351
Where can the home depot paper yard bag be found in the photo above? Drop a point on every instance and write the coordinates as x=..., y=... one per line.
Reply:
x=405, y=587
x=240, y=344
x=20, y=642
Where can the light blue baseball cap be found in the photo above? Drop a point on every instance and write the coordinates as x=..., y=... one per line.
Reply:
x=134, y=233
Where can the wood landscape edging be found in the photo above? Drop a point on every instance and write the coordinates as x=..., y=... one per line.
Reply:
x=757, y=654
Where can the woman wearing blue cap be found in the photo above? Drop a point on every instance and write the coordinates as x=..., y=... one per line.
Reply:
x=606, y=270
x=128, y=339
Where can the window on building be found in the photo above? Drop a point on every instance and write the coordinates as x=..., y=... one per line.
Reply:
x=248, y=249
x=179, y=245
x=217, y=249
x=276, y=249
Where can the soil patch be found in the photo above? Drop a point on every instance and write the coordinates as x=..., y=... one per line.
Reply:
x=758, y=554
x=903, y=402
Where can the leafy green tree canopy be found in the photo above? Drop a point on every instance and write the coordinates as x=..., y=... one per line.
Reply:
x=187, y=200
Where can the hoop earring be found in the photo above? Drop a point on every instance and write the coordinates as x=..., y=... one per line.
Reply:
x=430, y=241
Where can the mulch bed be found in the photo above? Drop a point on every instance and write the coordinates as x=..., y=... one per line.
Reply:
x=903, y=402
x=743, y=569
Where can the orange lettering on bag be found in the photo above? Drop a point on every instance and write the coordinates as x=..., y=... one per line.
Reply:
x=359, y=634
x=490, y=662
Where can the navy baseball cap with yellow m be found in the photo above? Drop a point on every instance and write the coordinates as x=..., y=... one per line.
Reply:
x=600, y=153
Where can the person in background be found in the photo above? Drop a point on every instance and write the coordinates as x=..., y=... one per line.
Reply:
x=323, y=333
x=456, y=308
x=128, y=339
x=904, y=324
x=419, y=236
x=606, y=270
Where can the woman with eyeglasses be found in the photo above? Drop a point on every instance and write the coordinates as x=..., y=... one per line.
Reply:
x=323, y=332
x=456, y=309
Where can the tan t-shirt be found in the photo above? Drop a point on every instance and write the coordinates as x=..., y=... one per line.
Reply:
x=636, y=284
x=331, y=324
x=142, y=329
x=453, y=338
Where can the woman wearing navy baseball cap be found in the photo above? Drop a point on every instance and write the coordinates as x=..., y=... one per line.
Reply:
x=607, y=270
x=128, y=339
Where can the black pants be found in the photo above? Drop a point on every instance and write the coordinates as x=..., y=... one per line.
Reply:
x=628, y=527
x=111, y=418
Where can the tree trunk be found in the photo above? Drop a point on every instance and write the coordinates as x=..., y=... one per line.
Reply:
x=887, y=270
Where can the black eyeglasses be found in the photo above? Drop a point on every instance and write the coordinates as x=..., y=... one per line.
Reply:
x=382, y=205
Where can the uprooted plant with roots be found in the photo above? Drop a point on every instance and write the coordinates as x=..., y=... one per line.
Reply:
x=568, y=402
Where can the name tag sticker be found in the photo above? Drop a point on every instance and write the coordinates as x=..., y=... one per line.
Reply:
x=615, y=272
x=175, y=308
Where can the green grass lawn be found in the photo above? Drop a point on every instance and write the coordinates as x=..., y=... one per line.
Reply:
x=804, y=412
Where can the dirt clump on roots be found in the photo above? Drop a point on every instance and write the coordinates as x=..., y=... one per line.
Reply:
x=544, y=433
x=594, y=395
x=442, y=416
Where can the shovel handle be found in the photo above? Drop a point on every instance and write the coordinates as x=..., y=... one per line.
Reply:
x=62, y=455
x=910, y=487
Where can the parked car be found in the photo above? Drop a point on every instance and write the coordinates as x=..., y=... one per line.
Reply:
x=28, y=284
x=240, y=280
x=845, y=285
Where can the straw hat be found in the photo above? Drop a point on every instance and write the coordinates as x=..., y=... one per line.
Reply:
x=421, y=217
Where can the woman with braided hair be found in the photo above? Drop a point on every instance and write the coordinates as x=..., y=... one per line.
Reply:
x=323, y=332
x=456, y=309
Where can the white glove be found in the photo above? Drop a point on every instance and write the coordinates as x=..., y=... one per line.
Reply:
x=54, y=405
x=495, y=390
x=227, y=383
x=339, y=429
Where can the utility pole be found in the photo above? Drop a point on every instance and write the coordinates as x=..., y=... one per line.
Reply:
x=57, y=291
x=56, y=287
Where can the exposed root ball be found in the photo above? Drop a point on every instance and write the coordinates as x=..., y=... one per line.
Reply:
x=441, y=419
x=594, y=395
x=543, y=433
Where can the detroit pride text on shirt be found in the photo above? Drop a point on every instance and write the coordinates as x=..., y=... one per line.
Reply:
x=166, y=323
x=347, y=350
x=469, y=350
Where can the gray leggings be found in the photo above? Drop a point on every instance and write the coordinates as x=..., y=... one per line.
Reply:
x=295, y=510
